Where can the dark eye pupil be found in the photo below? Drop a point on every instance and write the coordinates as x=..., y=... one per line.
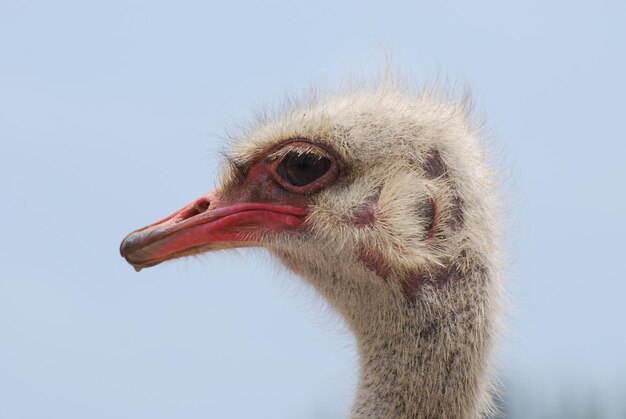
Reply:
x=302, y=169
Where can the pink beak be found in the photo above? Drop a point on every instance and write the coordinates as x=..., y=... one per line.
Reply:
x=208, y=224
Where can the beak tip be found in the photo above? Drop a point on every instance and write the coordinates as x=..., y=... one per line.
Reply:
x=125, y=250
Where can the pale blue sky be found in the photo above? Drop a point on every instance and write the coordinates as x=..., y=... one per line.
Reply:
x=111, y=115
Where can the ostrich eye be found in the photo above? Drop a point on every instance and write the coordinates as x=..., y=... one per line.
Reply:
x=300, y=169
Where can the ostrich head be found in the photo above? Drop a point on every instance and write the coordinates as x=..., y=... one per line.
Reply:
x=383, y=202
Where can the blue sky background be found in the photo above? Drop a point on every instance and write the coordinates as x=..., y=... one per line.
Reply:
x=112, y=114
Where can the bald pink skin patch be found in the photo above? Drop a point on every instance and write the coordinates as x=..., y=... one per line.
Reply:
x=365, y=216
x=435, y=220
x=375, y=261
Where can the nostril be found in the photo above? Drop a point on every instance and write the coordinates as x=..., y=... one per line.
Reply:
x=200, y=206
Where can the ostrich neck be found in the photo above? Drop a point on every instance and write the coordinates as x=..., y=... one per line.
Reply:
x=427, y=358
x=421, y=372
x=422, y=357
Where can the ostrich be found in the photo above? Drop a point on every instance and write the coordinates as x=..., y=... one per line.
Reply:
x=382, y=200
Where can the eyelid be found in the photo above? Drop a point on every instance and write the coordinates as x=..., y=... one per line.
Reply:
x=298, y=149
x=302, y=146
